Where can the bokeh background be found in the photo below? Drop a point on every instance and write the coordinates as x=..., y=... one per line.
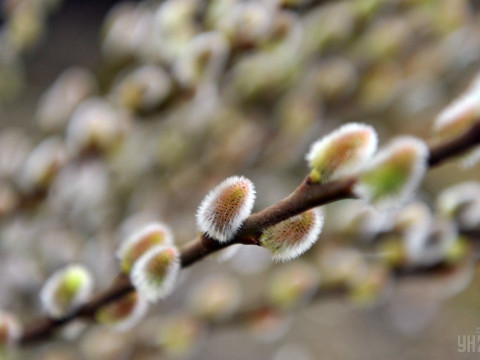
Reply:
x=285, y=73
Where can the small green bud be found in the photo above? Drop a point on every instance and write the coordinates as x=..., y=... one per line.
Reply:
x=394, y=174
x=66, y=289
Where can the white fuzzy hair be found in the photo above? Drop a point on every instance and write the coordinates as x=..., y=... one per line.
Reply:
x=284, y=250
x=150, y=288
x=357, y=161
x=208, y=222
x=139, y=235
x=398, y=200
x=47, y=294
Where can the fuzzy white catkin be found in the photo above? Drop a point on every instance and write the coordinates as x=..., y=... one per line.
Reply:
x=160, y=283
x=343, y=152
x=371, y=183
x=291, y=238
x=48, y=293
x=126, y=250
x=225, y=208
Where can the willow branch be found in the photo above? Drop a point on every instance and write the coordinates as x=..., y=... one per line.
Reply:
x=309, y=195
x=306, y=196
x=456, y=146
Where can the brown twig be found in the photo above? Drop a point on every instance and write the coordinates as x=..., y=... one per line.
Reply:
x=456, y=146
x=306, y=196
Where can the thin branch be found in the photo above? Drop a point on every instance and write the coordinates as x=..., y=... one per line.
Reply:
x=306, y=196
x=44, y=328
x=456, y=146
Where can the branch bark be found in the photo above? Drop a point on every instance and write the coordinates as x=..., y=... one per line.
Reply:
x=306, y=196
x=456, y=146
